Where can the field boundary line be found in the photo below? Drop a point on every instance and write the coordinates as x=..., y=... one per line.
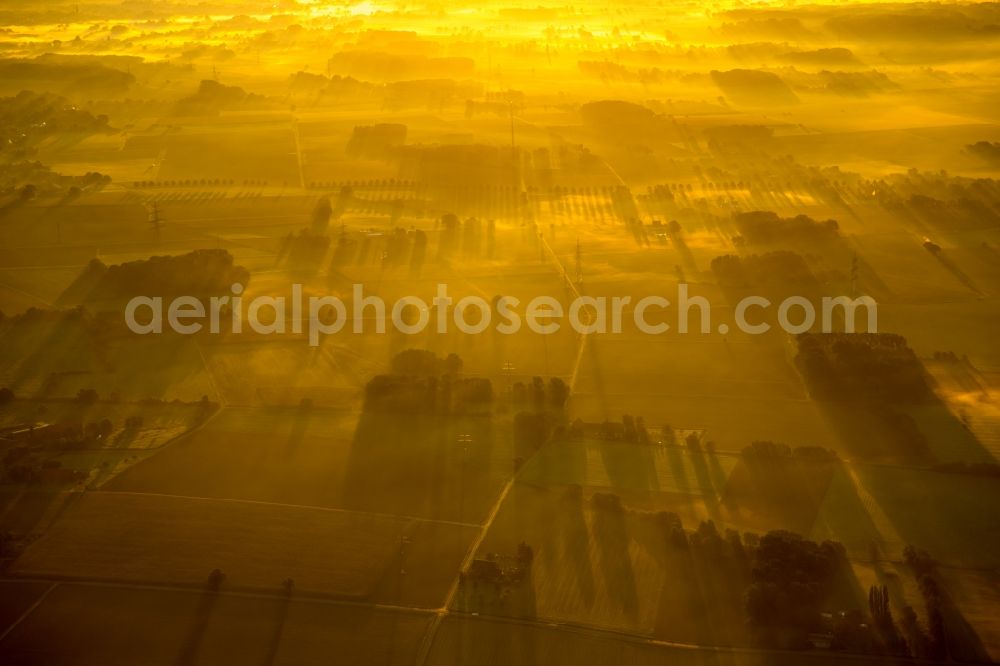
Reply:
x=156, y=450
x=29, y=611
x=285, y=505
x=576, y=291
x=211, y=377
x=199, y=589
x=423, y=653
x=598, y=631
x=427, y=642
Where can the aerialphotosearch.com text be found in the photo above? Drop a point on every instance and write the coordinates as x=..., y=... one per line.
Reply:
x=317, y=316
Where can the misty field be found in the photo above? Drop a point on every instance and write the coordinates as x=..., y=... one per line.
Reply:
x=822, y=492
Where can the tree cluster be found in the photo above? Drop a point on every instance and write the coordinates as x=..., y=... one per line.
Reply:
x=539, y=396
x=791, y=579
x=779, y=269
x=862, y=366
x=201, y=272
x=768, y=228
x=422, y=383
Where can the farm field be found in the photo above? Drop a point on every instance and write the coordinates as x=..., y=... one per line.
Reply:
x=19, y=596
x=330, y=459
x=372, y=332
x=585, y=571
x=642, y=588
x=259, y=149
x=120, y=537
x=971, y=587
x=728, y=421
x=118, y=625
x=932, y=510
x=625, y=468
x=489, y=641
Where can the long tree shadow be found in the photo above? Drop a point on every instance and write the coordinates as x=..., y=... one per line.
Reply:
x=281, y=617
x=300, y=426
x=708, y=491
x=702, y=599
x=629, y=466
x=199, y=624
x=779, y=491
x=675, y=458
x=610, y=531
x=432, y=466
x=598, y=376
x=29, y=510
x=50, y=341
x=952, y=267
x=16, y=202
x=845, y=518
x=874, y=393
x=964, y=644
x=576, y=542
